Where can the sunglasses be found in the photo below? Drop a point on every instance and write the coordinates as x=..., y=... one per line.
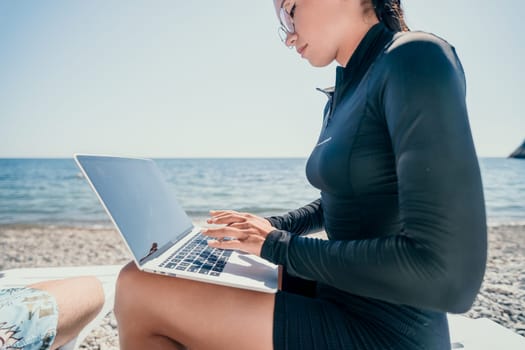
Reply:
x=286, y=19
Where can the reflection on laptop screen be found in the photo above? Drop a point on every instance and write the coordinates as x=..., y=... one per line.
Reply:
x=140, y=201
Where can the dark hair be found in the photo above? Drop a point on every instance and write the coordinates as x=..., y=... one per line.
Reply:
x=391, y=14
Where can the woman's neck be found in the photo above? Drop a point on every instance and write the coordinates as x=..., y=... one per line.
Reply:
x=347, y=50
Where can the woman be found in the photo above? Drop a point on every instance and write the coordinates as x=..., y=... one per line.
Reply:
x=401, y=203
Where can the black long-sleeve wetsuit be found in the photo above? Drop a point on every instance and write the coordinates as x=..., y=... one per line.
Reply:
x=401, y=195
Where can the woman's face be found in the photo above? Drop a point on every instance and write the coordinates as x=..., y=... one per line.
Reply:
x=325, y=30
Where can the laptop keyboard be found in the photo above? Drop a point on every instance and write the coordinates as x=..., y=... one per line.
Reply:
x=197, y=256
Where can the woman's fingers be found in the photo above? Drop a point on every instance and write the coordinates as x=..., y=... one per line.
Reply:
x=231, y=244
x=220, y=211
x=250, y=227
x=241, y=225
x=252, y=244
x=217, y=213
x=225, y=217
x=247, y=230
x=226, y=231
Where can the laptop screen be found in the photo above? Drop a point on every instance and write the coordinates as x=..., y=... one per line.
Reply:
x=139, y=200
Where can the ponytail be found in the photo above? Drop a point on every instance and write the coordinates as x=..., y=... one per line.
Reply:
x=390, y=13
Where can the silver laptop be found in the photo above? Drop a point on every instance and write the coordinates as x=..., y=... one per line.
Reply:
x=159, y=233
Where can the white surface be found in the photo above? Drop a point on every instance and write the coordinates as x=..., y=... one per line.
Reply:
x=481, y=334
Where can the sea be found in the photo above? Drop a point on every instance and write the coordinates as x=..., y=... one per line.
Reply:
x=54, y=192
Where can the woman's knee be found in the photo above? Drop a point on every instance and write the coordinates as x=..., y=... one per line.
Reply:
x=126, y=288
x=127, y=274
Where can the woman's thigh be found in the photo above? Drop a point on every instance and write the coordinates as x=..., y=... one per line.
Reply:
x=160, y=312
x=197, y=315
x=306, y=323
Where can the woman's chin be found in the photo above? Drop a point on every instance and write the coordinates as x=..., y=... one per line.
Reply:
x=318, y=63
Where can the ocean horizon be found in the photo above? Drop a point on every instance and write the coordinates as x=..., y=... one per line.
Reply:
x=52, y=191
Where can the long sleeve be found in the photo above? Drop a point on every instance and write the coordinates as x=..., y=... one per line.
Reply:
x=437, y=260
x=307, y=219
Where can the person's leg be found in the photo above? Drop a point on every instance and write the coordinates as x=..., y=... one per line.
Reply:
x=160, y=312
x=79, y=300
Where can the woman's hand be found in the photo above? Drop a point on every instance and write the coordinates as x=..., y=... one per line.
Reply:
x=247, y=231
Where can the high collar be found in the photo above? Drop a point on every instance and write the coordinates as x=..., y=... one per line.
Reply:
x=364, y=55
x=368, y=47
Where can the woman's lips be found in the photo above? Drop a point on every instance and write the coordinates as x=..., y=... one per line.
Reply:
x=301, y=49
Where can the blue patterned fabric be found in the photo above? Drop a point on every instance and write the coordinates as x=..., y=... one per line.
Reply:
x=28, y=319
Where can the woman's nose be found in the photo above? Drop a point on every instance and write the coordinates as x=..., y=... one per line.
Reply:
x=291, y=39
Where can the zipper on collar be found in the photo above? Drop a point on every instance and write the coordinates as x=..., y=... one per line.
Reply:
x=329, y=92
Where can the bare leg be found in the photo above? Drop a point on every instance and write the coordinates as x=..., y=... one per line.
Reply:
x=79, y=300
x=159, y=312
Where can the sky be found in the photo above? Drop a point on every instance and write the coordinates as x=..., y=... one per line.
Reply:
x=173, y=78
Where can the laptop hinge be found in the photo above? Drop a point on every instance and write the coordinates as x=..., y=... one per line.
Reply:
x=165, y=247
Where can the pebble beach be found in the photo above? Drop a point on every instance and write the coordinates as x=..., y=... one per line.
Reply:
x=501, y=299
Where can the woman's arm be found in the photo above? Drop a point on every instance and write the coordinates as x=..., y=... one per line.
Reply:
x=307, y=219
x=438, y=259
